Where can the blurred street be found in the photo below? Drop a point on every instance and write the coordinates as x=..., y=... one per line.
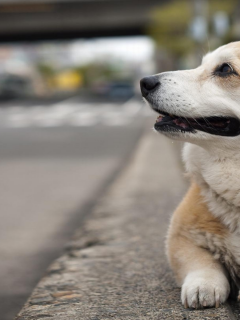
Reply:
x=55, y=159
x=71, y=117
x=72, y=112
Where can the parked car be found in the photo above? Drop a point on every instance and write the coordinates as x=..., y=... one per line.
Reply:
x=116, y=90
x=121, y=90
x=13, y=86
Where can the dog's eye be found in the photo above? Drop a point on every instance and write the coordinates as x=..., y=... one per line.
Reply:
x=225, y=68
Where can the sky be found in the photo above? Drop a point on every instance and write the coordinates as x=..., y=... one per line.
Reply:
x=18, y=58
x=135, y=49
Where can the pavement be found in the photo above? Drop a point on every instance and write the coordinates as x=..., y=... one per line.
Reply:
x=115, y=265
x=52, y=172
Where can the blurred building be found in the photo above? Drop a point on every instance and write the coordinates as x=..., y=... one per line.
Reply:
x=159, y=36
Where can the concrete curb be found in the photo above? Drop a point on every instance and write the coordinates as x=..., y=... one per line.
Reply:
x=115, y=267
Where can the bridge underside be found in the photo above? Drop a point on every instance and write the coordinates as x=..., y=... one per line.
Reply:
x=52, y=19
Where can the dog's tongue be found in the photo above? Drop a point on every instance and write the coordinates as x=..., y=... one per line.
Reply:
x=181, y=123
x=178, y=121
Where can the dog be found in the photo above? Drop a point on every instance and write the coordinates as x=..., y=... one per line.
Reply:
x=202, y=107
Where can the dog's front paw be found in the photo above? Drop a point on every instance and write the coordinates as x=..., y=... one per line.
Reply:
x=205, y=288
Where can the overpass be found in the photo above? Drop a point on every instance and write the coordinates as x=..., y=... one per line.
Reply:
x=33, y=20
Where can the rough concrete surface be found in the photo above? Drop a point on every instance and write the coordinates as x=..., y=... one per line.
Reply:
x=115, y=267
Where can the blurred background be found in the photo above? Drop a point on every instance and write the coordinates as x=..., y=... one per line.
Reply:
x=71, y=112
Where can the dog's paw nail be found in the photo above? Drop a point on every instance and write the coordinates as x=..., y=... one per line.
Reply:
x=185, y=304
x=217, y=305
x=204, y=303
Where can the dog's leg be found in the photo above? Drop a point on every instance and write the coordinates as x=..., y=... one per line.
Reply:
x=203, y=279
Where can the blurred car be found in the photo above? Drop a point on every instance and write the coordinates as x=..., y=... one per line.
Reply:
x=121, y=90
x=13, y=86
x=116, y=90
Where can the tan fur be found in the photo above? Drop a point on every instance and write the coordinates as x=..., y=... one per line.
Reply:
x=191, y=218
x=232, y=83
x=204, y=235
x=193, y=213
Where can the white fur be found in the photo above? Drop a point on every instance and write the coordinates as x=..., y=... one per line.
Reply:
x=218, y=174
x=204, y=287
x=213, y=161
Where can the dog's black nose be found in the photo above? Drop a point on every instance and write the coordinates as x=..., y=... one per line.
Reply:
x=149, y=84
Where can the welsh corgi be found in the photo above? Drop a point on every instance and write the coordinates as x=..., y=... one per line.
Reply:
x=202, y=107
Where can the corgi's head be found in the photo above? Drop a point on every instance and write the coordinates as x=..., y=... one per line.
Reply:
x=202, y=104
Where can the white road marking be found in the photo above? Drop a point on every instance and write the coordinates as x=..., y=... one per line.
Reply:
x=73, y=113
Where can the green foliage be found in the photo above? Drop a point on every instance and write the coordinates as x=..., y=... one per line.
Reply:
x=222, y=5
x=170, y=24
x=169, y=27
x=97, y=72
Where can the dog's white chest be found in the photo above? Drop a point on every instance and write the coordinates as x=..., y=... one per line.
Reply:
x=224, y=179
x=222, y=176
x=219, y=182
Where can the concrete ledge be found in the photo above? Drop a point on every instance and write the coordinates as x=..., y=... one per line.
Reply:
x=115, y=267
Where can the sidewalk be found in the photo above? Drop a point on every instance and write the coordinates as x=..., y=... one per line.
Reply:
x=115, y=267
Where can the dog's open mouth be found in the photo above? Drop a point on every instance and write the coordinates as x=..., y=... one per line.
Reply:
x=223, y=126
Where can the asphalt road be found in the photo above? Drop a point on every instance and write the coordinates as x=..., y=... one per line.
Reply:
x=52, y=172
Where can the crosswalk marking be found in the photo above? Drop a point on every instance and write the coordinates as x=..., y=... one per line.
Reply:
x=72, y=113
